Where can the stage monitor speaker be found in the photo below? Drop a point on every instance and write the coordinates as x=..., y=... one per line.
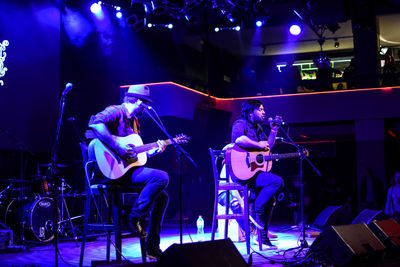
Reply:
x=327, y=217
x=388, y=231
x=215, y=253
x=366, y=216
x=347, y=244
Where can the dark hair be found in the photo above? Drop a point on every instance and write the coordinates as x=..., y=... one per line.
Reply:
x=249, y=106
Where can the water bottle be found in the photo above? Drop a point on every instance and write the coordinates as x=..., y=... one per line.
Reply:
x=200, y=229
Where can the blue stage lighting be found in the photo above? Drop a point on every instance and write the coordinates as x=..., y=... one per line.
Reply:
x=216, y=29
x=149, y=25
x=95, y=8
x=295, y=29
x=118, y=14
x=170, y=26
x=259, y=23
x=237, y=28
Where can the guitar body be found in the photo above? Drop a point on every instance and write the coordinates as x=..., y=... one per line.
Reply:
x=109, y=163
x=244, y=164
x=112, y=166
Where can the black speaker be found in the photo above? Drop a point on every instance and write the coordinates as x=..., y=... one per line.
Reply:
x=388, y=231
x=347, y=244
x=366, y=216
x=215, y=253
x=327, y=217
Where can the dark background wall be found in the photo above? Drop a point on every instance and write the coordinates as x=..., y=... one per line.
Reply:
x=49, y=48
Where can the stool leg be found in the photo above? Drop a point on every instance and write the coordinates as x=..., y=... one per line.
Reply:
x=227, y=205
x=85, y=228
x=117, y=226
x=246, y=221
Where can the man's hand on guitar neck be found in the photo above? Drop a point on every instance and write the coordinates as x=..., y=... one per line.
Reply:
x=161, y=147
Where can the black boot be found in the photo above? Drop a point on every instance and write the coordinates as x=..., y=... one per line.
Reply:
x=266, y=219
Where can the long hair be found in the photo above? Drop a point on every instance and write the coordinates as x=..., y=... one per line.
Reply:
x=249, y=106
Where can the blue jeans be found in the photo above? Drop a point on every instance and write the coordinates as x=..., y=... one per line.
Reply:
x=152, y=198
x=265, y=184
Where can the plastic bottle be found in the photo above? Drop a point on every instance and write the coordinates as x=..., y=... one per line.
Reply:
x=200, y=229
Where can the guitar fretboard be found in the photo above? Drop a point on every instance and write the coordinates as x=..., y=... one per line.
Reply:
x=282, y=156
x=147, y=147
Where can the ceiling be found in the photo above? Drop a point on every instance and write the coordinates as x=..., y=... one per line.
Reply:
x=195, y=21
x=276, y=39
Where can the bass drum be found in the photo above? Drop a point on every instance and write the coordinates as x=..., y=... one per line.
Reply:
x=37, y=218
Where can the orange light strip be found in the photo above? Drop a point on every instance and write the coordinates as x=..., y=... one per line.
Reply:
x=269, y=96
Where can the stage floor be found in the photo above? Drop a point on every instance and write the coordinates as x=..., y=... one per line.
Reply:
x=43, y=253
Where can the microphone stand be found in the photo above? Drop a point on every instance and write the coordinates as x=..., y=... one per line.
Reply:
x=53, y=168
x=300, y=150
x=179, y=151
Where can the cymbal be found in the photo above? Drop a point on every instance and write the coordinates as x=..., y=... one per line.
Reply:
x=58, y=165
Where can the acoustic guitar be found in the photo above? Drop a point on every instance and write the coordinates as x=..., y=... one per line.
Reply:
x=113, y=166
x=245, y=163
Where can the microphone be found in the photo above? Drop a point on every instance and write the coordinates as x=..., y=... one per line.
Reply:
x=278, y=122
x=68, y=87
x=146, y=106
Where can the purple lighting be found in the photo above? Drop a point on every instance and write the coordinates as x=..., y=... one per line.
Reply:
x=295, y=29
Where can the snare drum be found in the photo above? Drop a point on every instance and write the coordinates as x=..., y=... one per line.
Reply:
x=38, y=216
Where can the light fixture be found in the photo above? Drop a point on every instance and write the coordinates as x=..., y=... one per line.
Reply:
x=118, y=14
x=295, y=29
x=95, y=8
x=259, y=23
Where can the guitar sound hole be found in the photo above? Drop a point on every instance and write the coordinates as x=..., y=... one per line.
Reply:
x=260, y=158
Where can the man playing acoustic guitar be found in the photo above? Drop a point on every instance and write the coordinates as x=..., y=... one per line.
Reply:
x=120, y=121
x=247, y=133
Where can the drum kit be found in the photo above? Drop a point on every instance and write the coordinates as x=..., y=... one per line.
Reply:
x=27, y=206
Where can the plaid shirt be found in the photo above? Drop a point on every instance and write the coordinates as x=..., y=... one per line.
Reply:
x=116, y=120
x=243, y=127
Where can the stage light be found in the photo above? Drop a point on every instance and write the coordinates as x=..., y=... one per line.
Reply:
x=95, y=8
x=295, y=29
x=170, y=26
x=118, y=8
x=259, y=23
x=216, y=29
x=118, y=14
x=149, y=25
x=230, y=18
x=237, y=28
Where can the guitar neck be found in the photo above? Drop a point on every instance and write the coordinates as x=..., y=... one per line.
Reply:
x=147, y=147
x=281, y=156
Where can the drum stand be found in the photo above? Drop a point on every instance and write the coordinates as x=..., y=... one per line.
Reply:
x=69, y=219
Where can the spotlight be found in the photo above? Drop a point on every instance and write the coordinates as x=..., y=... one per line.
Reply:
x=118, y=14
x=170, y=26
x=95, y=8
x=237, y=28
x=216, y=29
x=149, y=25
x=118, y=8
x=230, y=18
x=336, y=43
x=259, y=23
x=295, y=29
